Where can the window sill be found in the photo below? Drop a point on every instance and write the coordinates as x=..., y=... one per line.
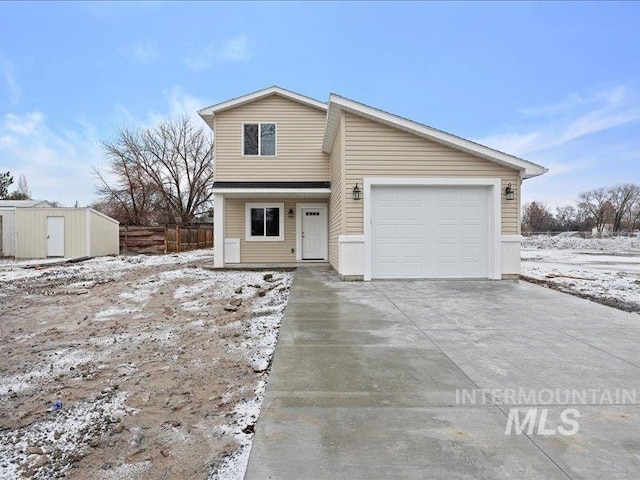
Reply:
x=264, y=239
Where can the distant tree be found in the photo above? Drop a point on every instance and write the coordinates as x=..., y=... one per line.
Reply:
x=566, y=219
x=5, y=182
x=16, y=195
x=622, y=198
x=21, y=193
x=632, y=218
x=596, y=207
x=536, y=217
x=158, y=175
x=23, y=188
x=127, y=194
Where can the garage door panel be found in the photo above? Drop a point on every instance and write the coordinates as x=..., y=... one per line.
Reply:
x=411, y=230
x=447, y=268
x=471, y=268
x=470, y=230
x=447, y=231
x=470, y=212
x=447, y=212
x=410, y=212
x=430, y=232
x=388, y=212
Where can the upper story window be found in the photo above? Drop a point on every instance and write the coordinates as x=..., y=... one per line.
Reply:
x=259, y=139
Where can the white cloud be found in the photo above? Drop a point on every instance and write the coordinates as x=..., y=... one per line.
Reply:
x=576, y=117
x=23, y=124
x=142, y=52
x=513, y=143
x=55, y=163
x=575, y=100
x=586, y=141
x=178, y=103
x=235, y=50
x=12, y=88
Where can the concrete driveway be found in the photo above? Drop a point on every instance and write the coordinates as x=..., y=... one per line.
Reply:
x=418, y=379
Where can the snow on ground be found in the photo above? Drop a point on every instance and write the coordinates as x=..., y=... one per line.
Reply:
x=561, y=242
x=15, y=269
x=62, y=438
x=606, y=270
x=153, y=327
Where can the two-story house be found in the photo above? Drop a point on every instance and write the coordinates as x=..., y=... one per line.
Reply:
x=373, y=194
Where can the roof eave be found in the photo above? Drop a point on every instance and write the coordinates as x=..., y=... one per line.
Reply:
x=252, y=97
x=338, y=103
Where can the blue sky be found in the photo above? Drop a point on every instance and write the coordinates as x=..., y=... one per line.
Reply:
x=555, y=83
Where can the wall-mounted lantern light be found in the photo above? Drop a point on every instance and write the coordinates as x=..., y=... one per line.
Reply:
x=509, y=192
x=291, y=214
x=357, y=193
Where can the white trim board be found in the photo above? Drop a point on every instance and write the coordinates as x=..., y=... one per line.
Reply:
x=219, y=213
x=252, y=97
x=250, y=191
x=299, y=207
x=495, y=258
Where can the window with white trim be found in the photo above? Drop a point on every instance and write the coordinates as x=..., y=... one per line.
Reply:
x=264, y=222
x=259, y=139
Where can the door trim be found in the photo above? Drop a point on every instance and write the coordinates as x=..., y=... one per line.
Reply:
x=495, y=184
x=299, y=207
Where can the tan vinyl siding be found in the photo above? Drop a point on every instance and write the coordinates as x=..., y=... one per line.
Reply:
x=376, y=150
x=104, y=235
x=260, y=252
x=300, y=130
x=336, y=201
x=31, y=226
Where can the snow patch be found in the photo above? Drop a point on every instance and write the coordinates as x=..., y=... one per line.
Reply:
x=607, y=270
x=63, y=436
x=66, y=359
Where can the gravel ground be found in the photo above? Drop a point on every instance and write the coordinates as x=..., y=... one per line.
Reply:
x=159, y=366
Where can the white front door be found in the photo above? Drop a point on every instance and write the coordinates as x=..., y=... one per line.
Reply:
x=314, y=235
x=55, y=236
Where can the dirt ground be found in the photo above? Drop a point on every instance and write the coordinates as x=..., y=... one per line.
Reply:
x=159, y=364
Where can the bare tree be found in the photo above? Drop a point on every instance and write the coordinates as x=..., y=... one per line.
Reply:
x=622, y=198
x=633, y=216
x=23, y=188
x=536, y=217
x=566, y=218
x=127, y=195
x=166, y=170
x=596, y=206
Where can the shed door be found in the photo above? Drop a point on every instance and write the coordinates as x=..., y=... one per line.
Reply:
x=430, y=232
x=1, y=235
x=55, y=236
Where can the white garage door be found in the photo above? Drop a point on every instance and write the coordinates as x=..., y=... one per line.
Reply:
x=430, y=231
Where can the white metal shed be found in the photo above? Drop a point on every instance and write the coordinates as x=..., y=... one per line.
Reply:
x=40, y=232
x=8, y=222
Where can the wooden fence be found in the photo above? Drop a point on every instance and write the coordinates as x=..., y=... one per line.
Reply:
x=169, y=239
x=183, y=239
